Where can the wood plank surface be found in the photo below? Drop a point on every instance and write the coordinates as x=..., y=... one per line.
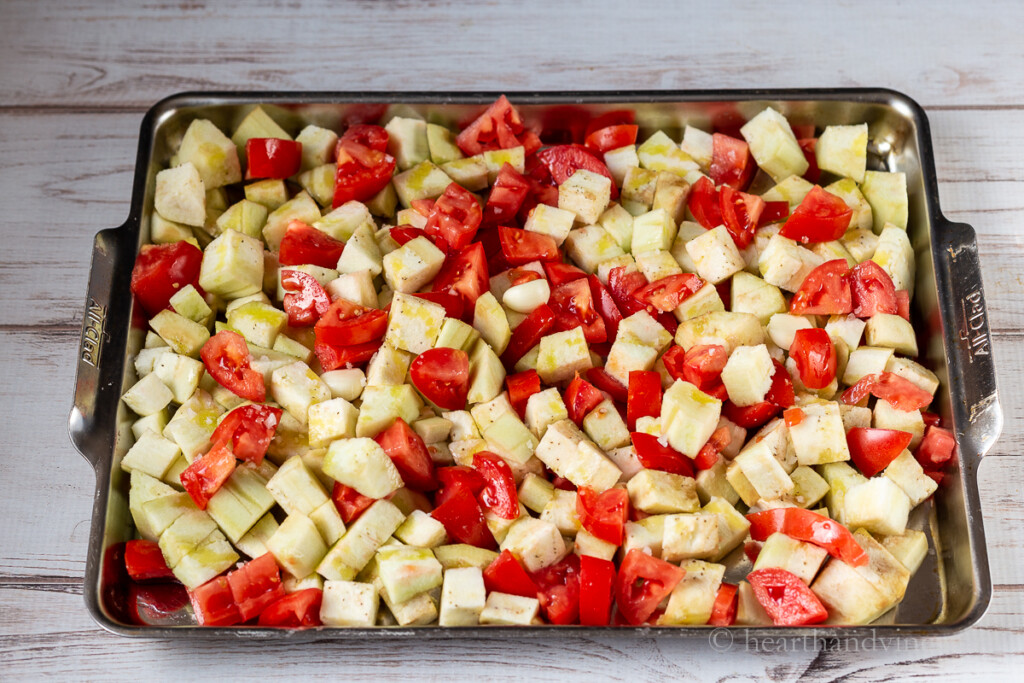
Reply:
x=77, y=77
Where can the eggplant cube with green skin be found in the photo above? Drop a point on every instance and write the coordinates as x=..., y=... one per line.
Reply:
x=423, y=181
x=361, y=253
x=820, y=437
x=693, y=598
x=590, y=246
x=362, y=539
x=704, y=300
x=270, y=193
x=145, y=489
x=698, y=145
x=257, y=124
x=561, y=511
x=670, y=194
x=471, y=172
x=551, y=221
x=508, y=437
x=349, y=604
x=535, y=492
x=627, y=356
x=725, y=328
x=537, y=543
x=690, y=536
x=413, y=265
x=193, y=424
x=211, y=557
x=732, y=526
x=847, y=190
x=751, y=294
x=895, y=255
x=887, y=194
x=660, y=153
x=657, y=264
x=740, y=484
x=180, y=195
x=362, y=464
x=441, y=143
x=184, y=535
x=861, y=242
x=240, y=502
x=879, y=505
x=232, y=266
x=849, y=598
x=749, y=611
x=562, y=355
x=212, y=153
x=893, y=331
x=301, y=207
x=330, y=420
x=809, y=488
x=456, y=334
x=148, y=396
x=407, y=142
x=383, y=404
x=342, y=222
x=319, y=183
x=485, y=414
x=388, y=367
x=506, y=609
x=797, y=557
x=656, y=492
x=543, y=409
x=688, y=417
x=846, y=327
x=318, y=146
x=864, y=361
x=887, y=416
x=843, y=150
x=490, y=320
x=259, y=323
x=297, y=545
x=406, y=572
x=908, y=474
x=652, y=230
x=585, y=194
x=496, y=158
x=618, y=223
x=184, y=336
x=715, y=255
x=461, y=555
x=567, y=451
x=774, y=146
x=910, y=548
x=296, y=489
x=421, y=530
x=714, y=482
x=463, y=597
x=295, y=387
x=748, y=374
x=605, y=426
x=188, y=302
x=841, y=478
x=414, y=324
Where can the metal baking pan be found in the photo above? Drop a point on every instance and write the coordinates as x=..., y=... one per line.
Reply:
x=952, y=589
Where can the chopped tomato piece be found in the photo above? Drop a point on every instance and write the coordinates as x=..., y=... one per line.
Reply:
x=348, y=324
x=597, y=587
x=708, y=454
x=643, y=582
x=623, y=285
x=255, y=585
x=332, y=357
x=161, y=270
x=500, y=127
x=781, y=392
x=506, y=575
x=464, y=273
x=653, y=455
x=612, y=137
x=732, y=164
x=454, y=305
x=580, y=398
x=600, y=378
x=903, y=304
x=412, y=460
x=704, y=204
x=559, y=590
x=573, y=305
x=506, y=198
x=226, y=357
x=522, y=246
x=786, y=599
x=615, y=117
x=455, y=216
x=528, y=334
x=815, y=357
x=825, y=291
x=741, y=213
x=521, y=387
x=793, y=416
x=363, y=166
x=519, y=276
x=272, y=158
x=701, y=366
x=305, y=299
x=213, y=603
x=560, y=273
x=821, y=217
x=808, y=146
x=773, y=213
x=723, y=611
x=250, y=429
x=667, y=293
x=144, y=561
x=350, y=503
x=901, y=393
x=810, y=527
x=442, y=376
x=603, y=514
x=749, y=417
x=294, y=610
x=936, y=448
x=207, y=474
x=873, y=449
x=499, y=494
x=872, y=290
x=644, y=397
x=605, y=305
x=463, y=519
x=564, y=160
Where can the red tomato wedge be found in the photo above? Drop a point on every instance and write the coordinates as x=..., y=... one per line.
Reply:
x=213, y=603
x=454, y=305
x=144, y=561
x=207, y=474
x=560, y=273
x=255, y=585
x=304, y=244
x=347, y=324
x=349, y=502
x=442, y=376
x=872, y=291
x=506, y=575
x=667, y=293
x=901, y=393
x=781, y=392
x=643, y=397
x=702, y=367
x=363, y=166
x=808, y=146
x=731, y=162
x=520, y=247
x=564, y=160
x=603, y=514
x=808, y=526
x=623, y=285
x=333, y=357
x=612, y=137
x=600, y=378
x=464, y=273
x=815, y=357
x=773, y=213
x=559, y=590
x=305, y=299
x=455, y=217
x=741, y=214
x=821, y=217
x=750, y=417
x=605, y=305
x=528, y=334
x=500, y=127
x=161, y=270
x=295, y=610
x=580, y=398
x=873, y=449
x=521, y=387
x=704, y=204
x=463, y=519
x=226, y=357
x=723, y=610
x=597, y=587
x=786, y=599
x=508, y=192
x=707, y=457
x=654, y=455
x=499, y=494
x=573, y=305
x=936, y=448
x=272, y=158
x=825, y=291
x=409, y=454
x=250, y=429
x=643, y=582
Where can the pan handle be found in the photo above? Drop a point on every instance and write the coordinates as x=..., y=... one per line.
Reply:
x=972, y=373
x=101, y=348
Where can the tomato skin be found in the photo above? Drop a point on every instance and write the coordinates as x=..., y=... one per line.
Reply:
x=605, y=305
x=580, y=398
x=872, y=291
x=901, y=393
x=144, y=561
x=873, y=449
x=214, y=604
x=809, y=526
x=272, y=158
x=226, y=357
x=815, y=357
x=643, y=582
x=559, y=273
x=732, y=165
x=255, y=585
x=564, y=160
x=597, y=587
x=612, y=137
x=708, y=456
x=825, y=291
x=741, y=213
x=506, y=198
x=500, y=127
x=442, y=376
x=520, y=247
x=667, y=293
x=808, y=146
x=644, y=396
x=573, y=305
x=305, y=244
x=723, y=611
x=786, y=599
x=364, y=168
x=348, y=324
x=506, y=575
x=600, y=378
x=936, y=448
x=295, y=610
x=521, y=387
x=623, y=286
x=349, y=502
x=406, y=449
x=207, y=474
x=773, y=213
x=781, y=393
x=305, y=299
x=250, y=429
x=701, y=366
x=161, y=270
x=528, y=334
x=750, y=417
x=821, y=217
x=603, y=514
x=559, y=590
x=655, y=456
x=499, y=494
x=332, y=357
x=464, y=273
x=704, y=204
x=455, y=217
x=463, y=519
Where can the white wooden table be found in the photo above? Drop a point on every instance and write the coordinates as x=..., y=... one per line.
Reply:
x=76, y=77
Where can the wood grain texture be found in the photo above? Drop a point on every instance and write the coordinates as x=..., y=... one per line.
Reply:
x=77, y=79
